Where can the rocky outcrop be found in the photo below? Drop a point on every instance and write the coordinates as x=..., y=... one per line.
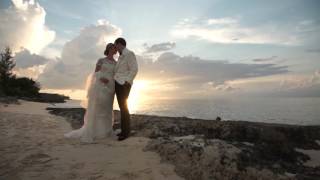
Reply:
x=210, y=149
x=197, y=158
x=47, y=98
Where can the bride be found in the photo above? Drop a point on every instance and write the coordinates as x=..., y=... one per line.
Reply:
x=98, y=118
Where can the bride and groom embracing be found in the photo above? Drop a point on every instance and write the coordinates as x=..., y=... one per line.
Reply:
x=110, y=78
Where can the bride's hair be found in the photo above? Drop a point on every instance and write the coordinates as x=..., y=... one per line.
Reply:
x=108, y=47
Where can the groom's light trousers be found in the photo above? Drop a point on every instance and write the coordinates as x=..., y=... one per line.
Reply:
x=122, y=92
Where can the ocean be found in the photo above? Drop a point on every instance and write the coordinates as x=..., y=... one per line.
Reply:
x=301, y=111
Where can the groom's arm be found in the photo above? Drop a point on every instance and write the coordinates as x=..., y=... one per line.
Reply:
x=133, y=67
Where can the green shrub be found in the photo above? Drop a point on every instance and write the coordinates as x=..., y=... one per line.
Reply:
x=10, y=85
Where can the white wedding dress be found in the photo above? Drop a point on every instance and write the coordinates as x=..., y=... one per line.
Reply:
x=98, y=119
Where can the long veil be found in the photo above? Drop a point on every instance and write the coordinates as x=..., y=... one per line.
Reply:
x=89, y=103
x=88, y=88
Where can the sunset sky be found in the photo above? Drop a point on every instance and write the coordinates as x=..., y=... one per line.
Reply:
x=185, y=49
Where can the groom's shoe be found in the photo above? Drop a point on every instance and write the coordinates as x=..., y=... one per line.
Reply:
x=121, y=137
x=119, y=134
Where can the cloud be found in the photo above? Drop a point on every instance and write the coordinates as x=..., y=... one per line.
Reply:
x=226, y=86
x=190, y=73
x=30, y=72
x=315, y=78
x=230, y=30
x=25, y=59
x=301, y=86
x=221, y=21
x=182, y=74
x=165, y=46
x=23, y=25
x=208, y=70
x=301, y=82
x=79, y=56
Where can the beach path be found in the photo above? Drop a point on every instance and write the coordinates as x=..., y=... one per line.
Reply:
x=32, y=146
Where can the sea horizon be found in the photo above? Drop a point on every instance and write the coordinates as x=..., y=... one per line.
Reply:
x=284, y=110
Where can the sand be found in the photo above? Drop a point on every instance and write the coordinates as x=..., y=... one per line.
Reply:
x=32, y=146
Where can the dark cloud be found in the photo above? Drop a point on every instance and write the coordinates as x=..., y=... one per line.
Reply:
x=25, y=59
x=313, y=50
x=166, y=46
x=196, y=71
x=268, y=59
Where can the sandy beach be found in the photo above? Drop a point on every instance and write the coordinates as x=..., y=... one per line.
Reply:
x=33, y=147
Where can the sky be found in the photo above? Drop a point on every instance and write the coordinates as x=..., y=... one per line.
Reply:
x=185, y=49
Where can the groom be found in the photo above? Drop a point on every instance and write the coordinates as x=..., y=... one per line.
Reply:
x=125, y=71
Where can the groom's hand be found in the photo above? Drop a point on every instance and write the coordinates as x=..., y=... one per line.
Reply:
x=126, y=83
x=104, y=80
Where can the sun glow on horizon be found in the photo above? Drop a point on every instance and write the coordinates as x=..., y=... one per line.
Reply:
x=138, y=94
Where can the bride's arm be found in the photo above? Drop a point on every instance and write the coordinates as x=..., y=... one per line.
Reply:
x=104, y=80
x=98, y=66
x=99, y=74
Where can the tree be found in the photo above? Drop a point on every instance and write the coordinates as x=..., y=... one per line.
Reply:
x=23, y=87
x=10, y=85
x=6, y=65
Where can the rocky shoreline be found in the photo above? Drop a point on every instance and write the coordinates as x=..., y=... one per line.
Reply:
x=205, y=149
x=47, y=98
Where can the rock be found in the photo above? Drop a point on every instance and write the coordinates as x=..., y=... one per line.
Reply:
x=47, y=98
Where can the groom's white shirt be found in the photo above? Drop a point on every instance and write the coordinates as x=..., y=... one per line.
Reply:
x=126, y=68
